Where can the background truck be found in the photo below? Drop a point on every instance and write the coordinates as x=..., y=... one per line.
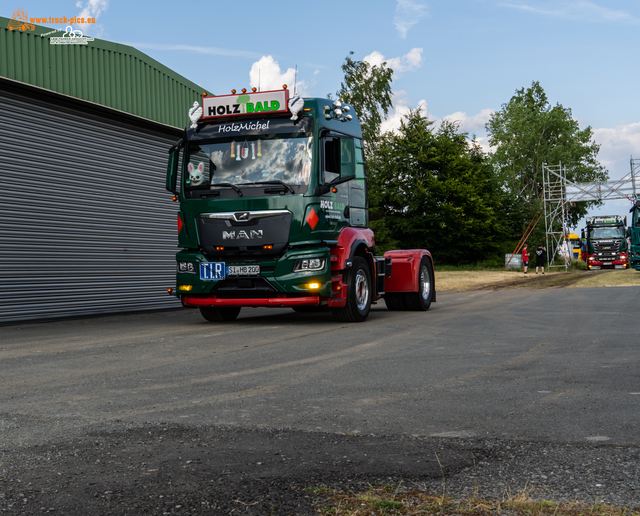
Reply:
x=575, y=246
x=633, y=233
x=274, y=213
x=606, y=242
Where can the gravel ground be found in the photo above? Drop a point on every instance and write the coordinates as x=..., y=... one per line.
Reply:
x=168, y=469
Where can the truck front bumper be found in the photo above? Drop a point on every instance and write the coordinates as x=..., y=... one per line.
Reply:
x=273, y=302
x=278, y=284
x=615, y=264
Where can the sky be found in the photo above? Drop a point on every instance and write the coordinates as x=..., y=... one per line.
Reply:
x=456, y=59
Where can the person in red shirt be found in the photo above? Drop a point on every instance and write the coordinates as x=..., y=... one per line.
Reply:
x=525, y=258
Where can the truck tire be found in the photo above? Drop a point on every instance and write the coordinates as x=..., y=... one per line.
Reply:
x=215, y=314
x=394, y=301
x=421, y=301
x=359, y=292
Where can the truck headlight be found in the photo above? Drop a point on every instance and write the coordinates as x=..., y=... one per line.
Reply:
x=187, y=267
x=309, y=264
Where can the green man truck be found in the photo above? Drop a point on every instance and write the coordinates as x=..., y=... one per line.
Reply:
x=606, y=242
x=633, y=234
x=274, y=212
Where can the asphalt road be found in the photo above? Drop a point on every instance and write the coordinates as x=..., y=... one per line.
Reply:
x=557, y=367
x=553, y=365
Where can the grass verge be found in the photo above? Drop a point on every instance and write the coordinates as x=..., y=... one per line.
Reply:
x=390, y=500
x=462, y=280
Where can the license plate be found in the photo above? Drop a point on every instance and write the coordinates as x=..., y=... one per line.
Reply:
x=243, y=270
x=212, y=271
x=619, y=266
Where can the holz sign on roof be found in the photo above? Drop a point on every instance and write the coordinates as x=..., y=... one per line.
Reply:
x=245, y=104
x=616, y=219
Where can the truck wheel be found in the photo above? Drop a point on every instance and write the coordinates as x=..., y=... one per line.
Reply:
x=421, y=301
x=359, y=292
x=394, y=301
x=214, y=314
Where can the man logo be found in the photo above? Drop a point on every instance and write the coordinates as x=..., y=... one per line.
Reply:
x=241, y=216
x=242, y=234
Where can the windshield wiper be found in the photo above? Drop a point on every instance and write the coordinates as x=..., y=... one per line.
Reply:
x=274, y=182
x=229, y=185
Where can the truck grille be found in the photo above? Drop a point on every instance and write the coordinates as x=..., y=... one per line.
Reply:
x=244, y=234
x=607, y=251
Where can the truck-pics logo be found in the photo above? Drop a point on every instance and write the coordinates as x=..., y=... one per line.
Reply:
x=20, y=21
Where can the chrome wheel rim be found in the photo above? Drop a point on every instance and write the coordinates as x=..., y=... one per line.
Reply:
x=362, y=290
x=426, y=283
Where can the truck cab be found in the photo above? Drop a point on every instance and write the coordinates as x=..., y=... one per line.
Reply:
x=274, y=211
x=606, y=242
x=633, y=233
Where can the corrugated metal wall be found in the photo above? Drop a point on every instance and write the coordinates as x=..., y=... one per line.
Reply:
x=113, y=75
x=86, y=226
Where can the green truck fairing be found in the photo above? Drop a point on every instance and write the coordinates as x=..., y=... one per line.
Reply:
x=634, y=236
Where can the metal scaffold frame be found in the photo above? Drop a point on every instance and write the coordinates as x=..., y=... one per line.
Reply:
x=558, y=192
x=554, y=189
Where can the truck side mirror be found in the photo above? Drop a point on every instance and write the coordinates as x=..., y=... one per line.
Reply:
x=172, y=167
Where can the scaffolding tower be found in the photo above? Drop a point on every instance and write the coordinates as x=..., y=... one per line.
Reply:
x=558, y=192
x=554, y=189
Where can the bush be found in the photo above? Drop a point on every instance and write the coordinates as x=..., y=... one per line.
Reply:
x=578, y=264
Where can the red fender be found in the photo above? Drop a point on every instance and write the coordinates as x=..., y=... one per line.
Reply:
x=341, y=253
x=404, y=270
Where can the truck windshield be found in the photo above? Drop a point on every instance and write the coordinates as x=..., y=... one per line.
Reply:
x=598, y=233
x=250, y=160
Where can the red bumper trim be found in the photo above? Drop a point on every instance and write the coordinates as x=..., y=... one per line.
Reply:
x=252, y=302
x=602, y=264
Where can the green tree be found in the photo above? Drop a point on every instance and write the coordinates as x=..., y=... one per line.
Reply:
x=528, y=132
x=434, y=189
x=367, y=88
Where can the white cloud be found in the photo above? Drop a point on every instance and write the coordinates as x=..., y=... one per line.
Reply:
x=401, y=108
x=471, y=124
x=265, y=74
x=408, y=13
x=617, y=146
x=474, y=125
x=406, y=63
x=92, y=9
x=582, y=10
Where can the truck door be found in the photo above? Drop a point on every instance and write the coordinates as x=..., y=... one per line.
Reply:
x=358, y=190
